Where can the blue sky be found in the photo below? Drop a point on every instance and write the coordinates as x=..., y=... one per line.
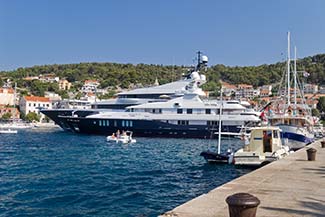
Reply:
x=250, y=32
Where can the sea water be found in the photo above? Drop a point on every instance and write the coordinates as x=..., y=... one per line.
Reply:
x=55, y=173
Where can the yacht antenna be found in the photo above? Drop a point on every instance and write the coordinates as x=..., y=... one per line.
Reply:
x=220, y=122
x=198, y=60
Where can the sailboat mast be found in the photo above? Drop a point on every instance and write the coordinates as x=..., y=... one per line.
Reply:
x=15, y=101
x=288, y=69
x=220, y=112
x=295, y=79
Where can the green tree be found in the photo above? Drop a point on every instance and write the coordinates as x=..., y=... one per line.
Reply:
x=6, y=116
x=22, y=116
x=63, y=93
x=108, y=95
x=315, y=112
x=32, y=116
x=321, y=104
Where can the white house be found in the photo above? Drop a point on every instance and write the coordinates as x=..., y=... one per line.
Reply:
x=7, y=96
x=310, y=88
x=246, y=91
x=90, y=86
x=34, y=104
x=266, y=90
x=49, y=78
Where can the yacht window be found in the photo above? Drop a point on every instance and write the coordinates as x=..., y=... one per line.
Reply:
x=182, y=122
x=207, y=111
x=123, y=123
x=131, y=123
x=126, y=123
x=153, y=110
x=100, y=122
x=115, y=123
x=107, y=122
x=212, y=123
x=179, y=111
x=275, y=134
x=94, y=122
x=160, y=111
x=189, y=111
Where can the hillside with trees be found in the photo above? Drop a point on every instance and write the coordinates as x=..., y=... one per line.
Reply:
x=114, y=75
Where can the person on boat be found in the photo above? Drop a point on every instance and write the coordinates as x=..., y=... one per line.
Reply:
x=123, y=133
x=246, y=140
x=113, y=136
x=118, y=134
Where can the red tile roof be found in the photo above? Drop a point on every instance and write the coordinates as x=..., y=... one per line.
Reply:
x=37, y=99
x=245, y=86
x=227, y=85
x=90, y=81
x=9, y=90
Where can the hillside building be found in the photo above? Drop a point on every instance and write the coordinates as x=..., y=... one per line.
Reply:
x=34, y=104
x=7, y=96
x=15, y=114
x=90, y=86
x=64, y=84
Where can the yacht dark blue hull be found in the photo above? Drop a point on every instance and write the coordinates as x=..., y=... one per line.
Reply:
x=144, y=128
x=57, y=114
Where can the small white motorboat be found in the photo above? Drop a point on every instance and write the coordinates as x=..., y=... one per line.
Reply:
x=125, y=138
x=264, y=146
x=8, y=131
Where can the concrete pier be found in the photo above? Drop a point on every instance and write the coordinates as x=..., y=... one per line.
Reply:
x=291, y=186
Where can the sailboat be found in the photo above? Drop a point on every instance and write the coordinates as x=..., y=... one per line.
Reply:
x=218, y=157
x=294, y=120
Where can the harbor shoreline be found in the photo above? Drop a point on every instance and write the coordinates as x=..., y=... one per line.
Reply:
x=291, y=186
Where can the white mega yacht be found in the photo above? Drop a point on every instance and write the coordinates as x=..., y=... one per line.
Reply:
x=185, y=116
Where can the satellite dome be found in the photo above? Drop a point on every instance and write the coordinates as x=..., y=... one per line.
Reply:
x=204, y=59
x=195, y=75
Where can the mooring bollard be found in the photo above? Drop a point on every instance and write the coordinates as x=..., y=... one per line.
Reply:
x=242, y=205
x=323, y=144
x=311, y=154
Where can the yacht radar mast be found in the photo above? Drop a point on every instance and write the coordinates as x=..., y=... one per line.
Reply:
x=202, y=61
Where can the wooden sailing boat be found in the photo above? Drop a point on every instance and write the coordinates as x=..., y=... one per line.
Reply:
x=296, y=123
